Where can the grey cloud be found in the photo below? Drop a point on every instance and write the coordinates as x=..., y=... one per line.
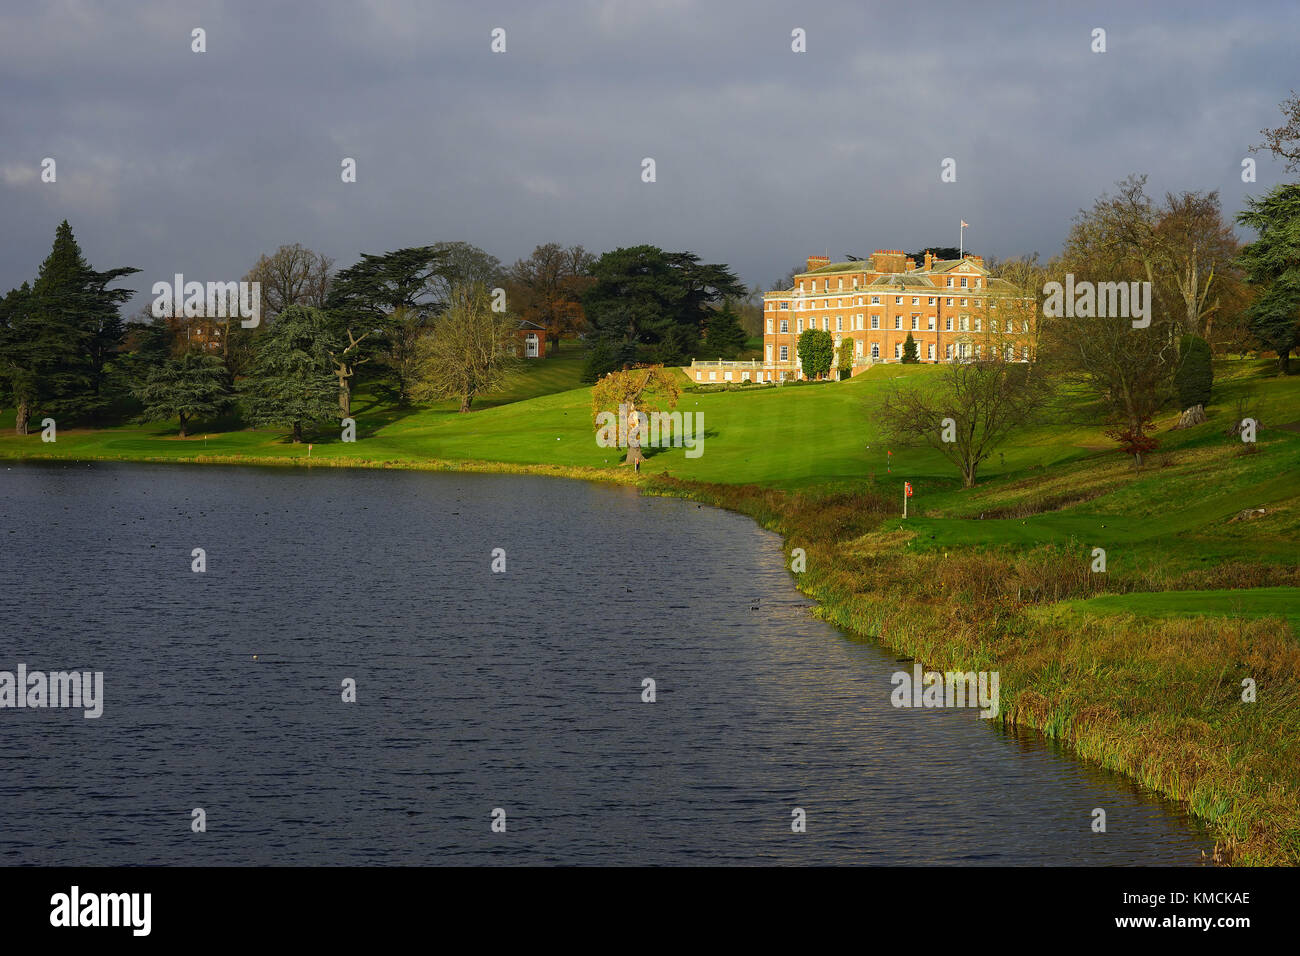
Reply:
x=173, y=161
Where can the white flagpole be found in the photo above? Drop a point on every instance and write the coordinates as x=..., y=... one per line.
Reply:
x=961, y=241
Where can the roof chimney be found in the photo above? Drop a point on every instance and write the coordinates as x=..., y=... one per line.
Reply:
x=816, y=262
x=888, y=260
x=929, y=260
x=911, y=263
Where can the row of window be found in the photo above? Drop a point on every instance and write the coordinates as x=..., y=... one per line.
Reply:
x=963, y=350
x=805, y=305
x=810, y=285
x=760, y=375
x=964, y=324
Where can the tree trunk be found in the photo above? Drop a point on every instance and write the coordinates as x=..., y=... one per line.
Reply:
x=20, y=421
x=182, y=418
x=465, y=401
x=1190, y=306
x=634, y=457
x=345, y=399
x=1283, y=363
x=1192, y=416
x=297, y=433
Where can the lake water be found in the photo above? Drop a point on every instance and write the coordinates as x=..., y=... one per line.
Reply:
x=479, y=690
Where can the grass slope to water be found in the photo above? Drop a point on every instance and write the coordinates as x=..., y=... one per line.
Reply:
x=1138, y=668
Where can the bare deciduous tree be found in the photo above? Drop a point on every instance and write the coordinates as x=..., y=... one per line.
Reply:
x=1182, y=247
x=1130, y=369
x=972, y=409
x=459, y=266
x=468, y=353
x=1196, y=253
x=292, y=275
x=1284, y=141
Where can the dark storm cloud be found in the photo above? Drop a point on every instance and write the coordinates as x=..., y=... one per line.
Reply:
x=174, y=161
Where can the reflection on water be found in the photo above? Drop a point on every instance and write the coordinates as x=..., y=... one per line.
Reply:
x=477, y=690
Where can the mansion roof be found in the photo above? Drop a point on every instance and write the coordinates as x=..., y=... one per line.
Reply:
x=932, y=279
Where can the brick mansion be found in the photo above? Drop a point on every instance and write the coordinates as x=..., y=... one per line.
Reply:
x=954, y=309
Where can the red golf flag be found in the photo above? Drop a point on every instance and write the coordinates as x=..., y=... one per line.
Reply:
x=907, y=488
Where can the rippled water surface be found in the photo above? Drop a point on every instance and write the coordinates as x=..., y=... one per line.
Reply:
x=478, y=690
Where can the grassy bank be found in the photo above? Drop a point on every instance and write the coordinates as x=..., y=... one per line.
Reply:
x=1139, y=667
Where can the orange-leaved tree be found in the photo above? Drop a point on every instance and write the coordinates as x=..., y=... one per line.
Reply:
x=632, y=395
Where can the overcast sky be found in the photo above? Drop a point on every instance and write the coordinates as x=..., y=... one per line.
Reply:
x=175, y=161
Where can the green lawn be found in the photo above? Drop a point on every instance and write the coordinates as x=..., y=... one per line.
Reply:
x=1280, y=602
x=788, y=437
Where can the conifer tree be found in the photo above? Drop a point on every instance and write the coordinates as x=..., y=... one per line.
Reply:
x=194, y=386
x=723, y=336
x=59, y=336
x=910, y=352
x=17, y=361
x=1194, y=378
x=291, y=382
x=1272, y=265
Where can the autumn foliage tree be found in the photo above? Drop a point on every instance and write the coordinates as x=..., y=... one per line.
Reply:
x=644, y=389
x=547, y=287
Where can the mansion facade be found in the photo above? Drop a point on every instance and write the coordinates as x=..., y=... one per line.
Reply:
x=954, y=309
